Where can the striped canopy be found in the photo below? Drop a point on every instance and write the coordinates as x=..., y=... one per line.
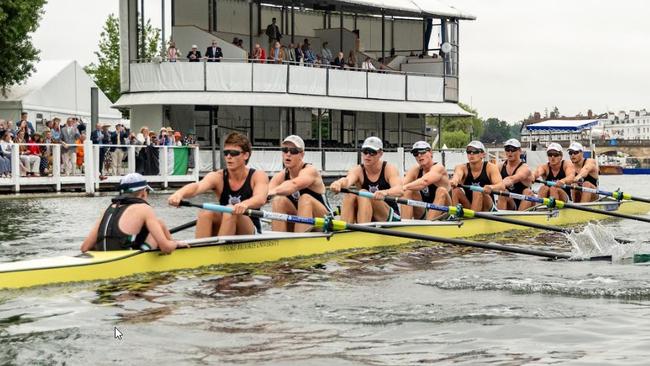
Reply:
x=569, y=125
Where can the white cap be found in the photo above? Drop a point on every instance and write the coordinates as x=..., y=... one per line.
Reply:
x=373, y=143
x=134, y=182
x=194, y=46
x=421, y=145
x=576, y=146
x=296, y=140
x=477, y=145
x=513, y=143
x=554, y=146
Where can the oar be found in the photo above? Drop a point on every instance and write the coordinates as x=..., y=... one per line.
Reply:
x=183, y=227
x=459, y=211
x=615, y=194
x=338, y=225
x=553, y=203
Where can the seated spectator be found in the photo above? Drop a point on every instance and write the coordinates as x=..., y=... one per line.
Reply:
x=326, y=55
x=259, y=54
x=41, y=151
x=339, y=61
x=352, y=60
x=30, y=160
x=318, y=62
x=11, y=127
x=213, y=53
x=194, y=55
x=172, y=52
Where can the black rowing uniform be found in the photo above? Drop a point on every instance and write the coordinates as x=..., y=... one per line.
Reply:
x=295, y=196
x=230, y=197
x=518, y=187
x=589, y=178
x=379, y=185
x=427, y=193
x=109, y=235
x=560, y=175
x=482, y=180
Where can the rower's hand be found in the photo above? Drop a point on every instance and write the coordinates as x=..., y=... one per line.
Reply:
x=453, y=183
x=379, y=195
x=487, y=189
x=239, y=209
x=180, y=244
x=335, y=187
x=175, y=199
x=507, y=181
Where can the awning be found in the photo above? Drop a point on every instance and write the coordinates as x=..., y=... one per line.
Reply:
x=288, y=100
x=575, y=125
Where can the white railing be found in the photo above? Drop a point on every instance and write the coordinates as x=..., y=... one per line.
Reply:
x=88, y=173
x=230, y=76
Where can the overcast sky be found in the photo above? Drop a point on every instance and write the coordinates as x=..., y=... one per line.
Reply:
x=516, y=58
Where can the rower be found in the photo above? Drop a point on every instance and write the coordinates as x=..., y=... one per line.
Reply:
x=298, y=189
x=428, y=181
x=475, y=172
x=237, y=186
x=555, y=171
x=517, y=177
x=373, y=175
x=586, y=173
x=130, y=223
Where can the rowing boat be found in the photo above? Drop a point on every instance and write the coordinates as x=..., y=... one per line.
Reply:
x=274, y=246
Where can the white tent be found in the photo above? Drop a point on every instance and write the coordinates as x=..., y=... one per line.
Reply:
x=56, y=89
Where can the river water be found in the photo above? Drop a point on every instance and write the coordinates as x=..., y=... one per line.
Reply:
x=413, y=305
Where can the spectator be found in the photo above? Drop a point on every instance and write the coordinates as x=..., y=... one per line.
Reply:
x=259, y=54
x=189, y=138
x=339, y=61
x=29, y=162
x=5, y=154
x=326, y=54
x=194, y=55
x=3, y=128
x=81, y=126
x=278, y=53
x=235, y=41
x=240, y=43
x=11, y=127
x=318, y=62
x=69, y=135
x=308, y=54
x=290, y=54
x=146, y=139
x=56, y=129
x=299, y=55
x=213, y=53
x=119, y=137
x=49, y=141
x=367, y=64
x=177, y=139
x=80, y=152
x=273, y=32
x=41, y=151
x=172, y=52
x=352, y=60
x=24, y=122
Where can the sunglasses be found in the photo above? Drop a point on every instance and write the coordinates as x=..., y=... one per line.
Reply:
x=419, y=152
x=473, y=152
x=572, y=152
x=370, y=152
x=232, y=153
x=292, y=150
x=553, y=155
x=511, y=149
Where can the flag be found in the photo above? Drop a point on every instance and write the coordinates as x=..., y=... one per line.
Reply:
x=181, y=156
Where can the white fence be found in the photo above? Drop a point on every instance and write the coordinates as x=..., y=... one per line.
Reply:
x=88, y=174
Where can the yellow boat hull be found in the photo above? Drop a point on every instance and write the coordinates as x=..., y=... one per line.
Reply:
x=268, y=247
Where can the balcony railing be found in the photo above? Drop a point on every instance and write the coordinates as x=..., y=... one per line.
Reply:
x=306, y=79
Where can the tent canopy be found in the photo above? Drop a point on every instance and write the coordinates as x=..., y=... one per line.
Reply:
x=61, y=87
x=567, y=125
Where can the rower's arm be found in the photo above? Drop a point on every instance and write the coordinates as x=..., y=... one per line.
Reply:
x=495, y=177
x=589, y=167
x=540, y=172
x=523, y=175
x=570, y=173
x=157, y=231
x=347, y=181
x=459, y=175
x=209, y=182
x=260, y=183
x=305, y=178
x=410, y=180
x=275, y=182
x=91, y=239
x=395, y=181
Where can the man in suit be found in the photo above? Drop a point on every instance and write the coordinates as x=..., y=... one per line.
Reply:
x=213, y=53
x=98, y=138
x=119, y=137
x=69, y=136
x=273, y=32
x=291, y=53
x=194, y=55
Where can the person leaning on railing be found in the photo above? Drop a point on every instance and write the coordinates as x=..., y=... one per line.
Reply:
x=5, y=154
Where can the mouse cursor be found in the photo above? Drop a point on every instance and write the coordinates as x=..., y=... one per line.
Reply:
x=117, y=334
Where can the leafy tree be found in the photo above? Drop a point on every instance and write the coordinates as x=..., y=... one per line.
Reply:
x=18, y=18
x=496, y=131
x=471, y=127
x=455, y=139
x=106, y=72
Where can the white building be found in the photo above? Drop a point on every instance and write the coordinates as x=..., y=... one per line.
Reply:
x=56, y=88
x=328, y=107
x=632, y=125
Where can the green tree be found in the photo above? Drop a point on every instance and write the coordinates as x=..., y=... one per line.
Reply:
x=495, y=131
x=455, y=139
x=471, y=127
x=18, y=18
x=106, y=72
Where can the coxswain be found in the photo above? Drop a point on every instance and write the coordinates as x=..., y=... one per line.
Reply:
x=478, y=173
x=586, y=173
x=298, y=189
x=517, y=177
x=130, y=223
x=428, y=181
x=237, y=186
x=556, y=170
x=375, y=176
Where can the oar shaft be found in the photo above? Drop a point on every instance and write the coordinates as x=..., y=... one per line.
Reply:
x=603, y=212
x=615, y=194
x=183, y=227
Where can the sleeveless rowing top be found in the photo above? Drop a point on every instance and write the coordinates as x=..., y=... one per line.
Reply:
x=230, y=197
x=378, y=185
x=591, y=179
x=109, y=235
x=551, y=177
x=428, y=193
x=517, y=187
x=481, y=181
x=320, y=197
